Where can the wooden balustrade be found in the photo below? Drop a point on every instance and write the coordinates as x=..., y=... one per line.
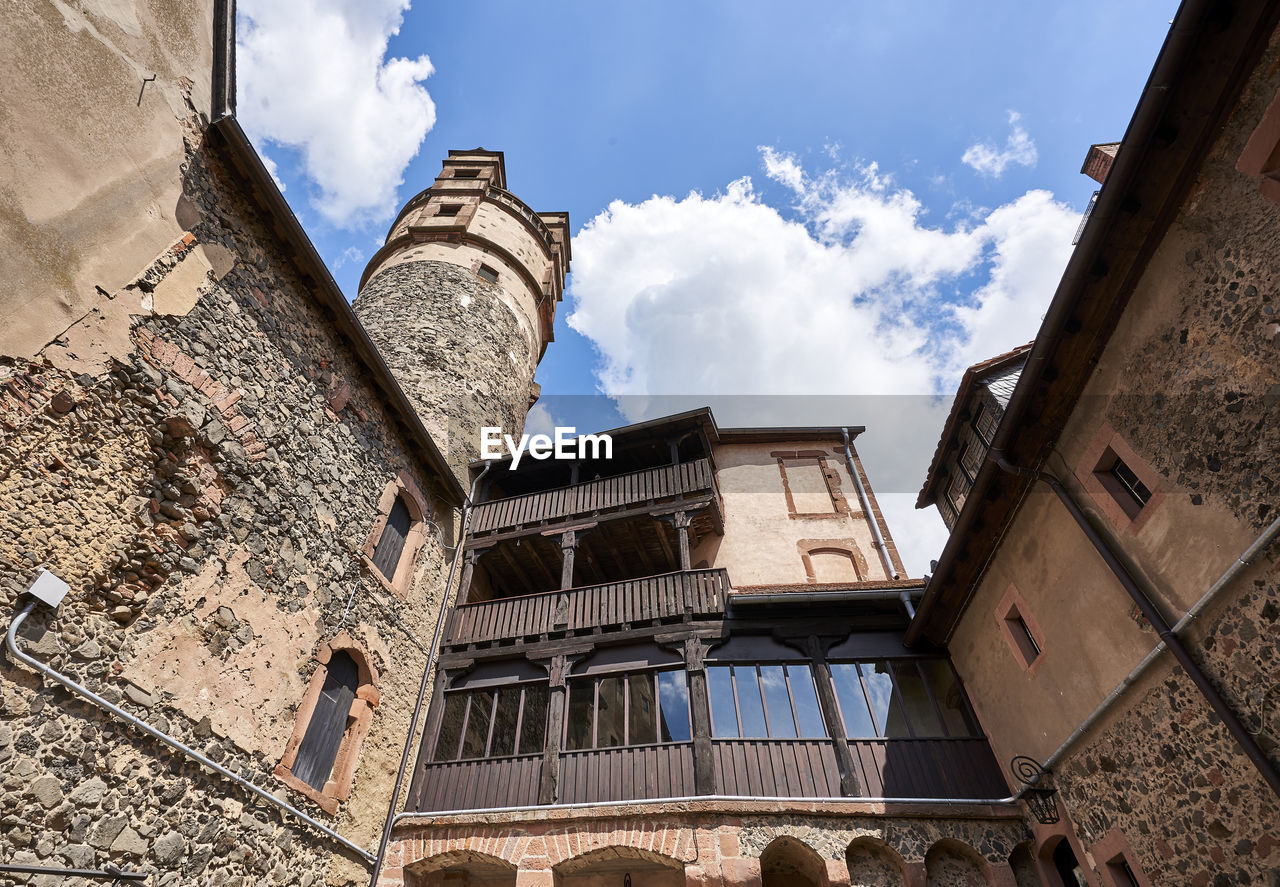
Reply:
x=627, y=774
x=668, y=597
x=605, y=494
x=927, y=768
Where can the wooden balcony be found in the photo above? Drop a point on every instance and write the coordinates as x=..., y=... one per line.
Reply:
x=787, y=768
x=692, y=480
x=654, y=599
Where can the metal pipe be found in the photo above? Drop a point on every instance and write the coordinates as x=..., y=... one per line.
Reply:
x=1259, y=544
x=432, y=653
x=890, y=571
x=720, y=799
x=1153, y=615
x=165, y=738
x=908, y=604
x=110, y=873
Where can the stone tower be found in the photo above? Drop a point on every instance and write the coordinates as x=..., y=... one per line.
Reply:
x=461, y=299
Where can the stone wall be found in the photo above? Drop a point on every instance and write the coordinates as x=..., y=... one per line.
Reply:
x=456, y=347
x=203, y=471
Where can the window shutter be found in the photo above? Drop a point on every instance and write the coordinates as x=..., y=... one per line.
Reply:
x=319, y=747
x=386, y=557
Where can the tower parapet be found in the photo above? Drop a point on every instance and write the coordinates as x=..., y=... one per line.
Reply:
x=461, y=301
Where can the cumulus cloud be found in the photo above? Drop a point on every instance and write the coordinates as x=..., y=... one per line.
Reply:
x=850, y=292
x=1018, y=149
x=314, y=76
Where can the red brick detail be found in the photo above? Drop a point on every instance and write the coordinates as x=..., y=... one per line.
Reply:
x=259, y=297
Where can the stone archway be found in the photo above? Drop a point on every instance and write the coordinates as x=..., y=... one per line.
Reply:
x=461, y=868
x=873, y=863
x=615, y=866
x=789, y=862
x=951, y=863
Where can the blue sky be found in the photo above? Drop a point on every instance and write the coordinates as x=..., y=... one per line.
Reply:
x=817, y=198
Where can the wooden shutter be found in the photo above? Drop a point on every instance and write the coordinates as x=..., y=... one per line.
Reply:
x=391, y=544
x=319, y=747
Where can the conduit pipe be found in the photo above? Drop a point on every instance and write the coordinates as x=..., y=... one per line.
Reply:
x=1153, y=615
x=165, y=738
x=889, y=569
x=432, y=653
x=1268, y=536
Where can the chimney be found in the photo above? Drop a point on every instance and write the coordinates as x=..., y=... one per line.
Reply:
x=1098, y=162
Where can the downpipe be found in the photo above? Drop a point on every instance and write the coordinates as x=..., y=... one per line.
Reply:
x=866, y=506
x=1168, y=637
x=173, y=743
x=432, y=653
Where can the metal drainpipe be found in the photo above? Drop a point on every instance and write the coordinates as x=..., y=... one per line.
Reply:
x=165, y=738
x=1265, y=539
x=1219, y=705
x=866, y=507
x=426, y=679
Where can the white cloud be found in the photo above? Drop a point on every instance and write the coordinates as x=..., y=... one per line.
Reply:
x=314, y=76
x=272, y=170
x=707, y=296
x=350, y=254
x=991, y=161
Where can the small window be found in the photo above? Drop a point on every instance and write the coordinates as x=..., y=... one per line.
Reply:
x=319, y=748
x=466, y=173
x=1118, y=479
x=386, y=556
x=487, y=274
x=807, y=486
x=756, y=701
x=448, y=209
x=639, y=708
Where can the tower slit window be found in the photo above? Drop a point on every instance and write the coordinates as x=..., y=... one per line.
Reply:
x=386, y=556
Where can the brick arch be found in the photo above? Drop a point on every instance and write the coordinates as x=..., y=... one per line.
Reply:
x=459, y=857
x=654, y=838
x=479, y=868
x=952, y=863
x=614, y=853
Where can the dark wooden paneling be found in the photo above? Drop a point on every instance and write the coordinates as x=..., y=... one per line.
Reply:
x=653, y=484
x=788, y=768
x=927, y=768
x=627, y=774
x=669, y=596
x=480, y=784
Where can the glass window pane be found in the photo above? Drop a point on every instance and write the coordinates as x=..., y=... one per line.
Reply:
x=504, y=723
x=610, y=714
x=673, y=707
x=774, y=682
x=853, y=702
x=750, y=703
x=884, y=702
x=455, y=707
x=915, y=698
x=724, y=714
x=805, y=699
x=533, y=723
x=949, y=695
x=473, y=743
x=642, y=715
x=581, y=706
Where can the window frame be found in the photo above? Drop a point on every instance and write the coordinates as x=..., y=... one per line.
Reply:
x=402, y=486
x=840, y=507
x=626, y=676
x=755, y=666
x=1109, y=493
x=471, y=692
x=1013, y=611
x=337, y=787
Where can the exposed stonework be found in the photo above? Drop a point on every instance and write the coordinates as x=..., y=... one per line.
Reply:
x=456, y=347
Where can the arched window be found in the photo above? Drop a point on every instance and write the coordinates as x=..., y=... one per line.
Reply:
x=398, y=532
x=386, y=556
x=333, y=720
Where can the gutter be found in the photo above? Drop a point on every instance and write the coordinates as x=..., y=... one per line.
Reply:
x=904, y=597
x=1168, y=636
x=173, y=743
x=872, y=520
x=1080, y=272
x=433, y=653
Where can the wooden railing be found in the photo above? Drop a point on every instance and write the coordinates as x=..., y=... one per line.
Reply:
x=782, y=768
x=927, y=768
x=481, y=783
x=636, y=601
x=651, y=484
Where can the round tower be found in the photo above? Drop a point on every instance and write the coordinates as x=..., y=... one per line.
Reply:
x=461, y=300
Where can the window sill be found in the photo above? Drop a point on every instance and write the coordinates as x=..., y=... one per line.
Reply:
x=327, y=803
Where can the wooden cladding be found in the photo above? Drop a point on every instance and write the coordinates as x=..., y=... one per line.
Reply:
x=699, y=593
x=480, y=783
x=776, y=768
x=627, y=774
x=605, y=494
x=927, y=768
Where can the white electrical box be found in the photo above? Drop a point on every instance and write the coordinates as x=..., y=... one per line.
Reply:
x=49, y=588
